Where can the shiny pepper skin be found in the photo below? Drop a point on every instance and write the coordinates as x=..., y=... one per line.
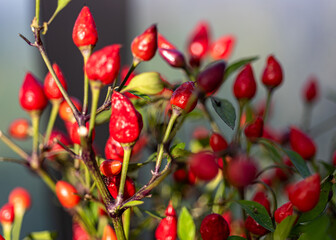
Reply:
x=272, y=75
x=113, y=187
x=65, y=111
x=310, y=90
x=109, y=233
x=51, y=89
x=245, y=85
x=223, y=47
x=305, y=194
x=302, y=144
x=283, y=211
x=67, y=194
x=125, y=122
x=113, y=150
x=19, y=129
x=84, y=32
x=241, y=171
x=199, y=41
x=167, y=228
x=7, y=214
x=56, y=147
x=103, y=65
x=218, y=142
x=253, y=227
x=110, y=168
x=164, y=43
x=254, y=130
x=31, y=95
x=144, y=46
x=75, y=133
x=214, y=227
x=210, y=79
x=261, y=197
x=2, y=238
x=78, y=233
x=184, y=97
x=204, y=165
x=173, y=57
x=20, y=198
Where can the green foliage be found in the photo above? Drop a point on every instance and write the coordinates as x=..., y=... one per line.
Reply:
x=186, y=228
x=225, y=110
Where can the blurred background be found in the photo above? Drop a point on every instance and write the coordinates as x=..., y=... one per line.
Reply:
x=299, y=33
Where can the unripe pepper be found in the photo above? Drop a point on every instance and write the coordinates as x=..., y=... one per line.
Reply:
x=67, y=194
x=84, y=32
x=204, y=165
x=223, y=47
x=125, y=122
x=199, y=41
x=173, y=57
x=254, y=130
x=103, y=65
x=302, y=143
x=210, y=79
x=283, y=211
x=272, y=75
x=311, y=90
x=167, y=228
x=305, y=194
x=51, y=89
x=19, y=128
x=245, y=85
x=31, y=95
x=184, y=97
x=214, y=227
x=144, y=46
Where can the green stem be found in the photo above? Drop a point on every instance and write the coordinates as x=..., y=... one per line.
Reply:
x=268, y=104
x=53, y=114
x=7, y=228
x=238, y=132
x=127, y=221
x=127, y=156
x=47, y=179
x=37, y=11
x=134, y=65
x=95, y=89
x=13, y=146
x=118, y=227
x=86, y=55
x=188, y=73
x=87, y=177
x=17, y=224
x=164, y=141
x=86, y=221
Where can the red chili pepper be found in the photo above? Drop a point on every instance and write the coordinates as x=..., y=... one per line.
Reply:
x=67, y=194
x=144, y=46
x=305, y=194
x=84, y=32
x=110, y=168
x=272, y=75
x=51, y=90
x=254, y=130
x=103, y=65
x=184, y=97
x=261, y=197
x=253, y=227
x=302, y=144
x=311, y=90
x=113, y=187
x=204, y=165
x=7, y=214
x=109, y=233
x=245, y=85
x=284, y=211
x=54, y=146
x=218, y=142
x=19, y=128
x=223, y=47
x=210, y=79
x=75, y=133
x=167, y=228
x=78, y=233
x=199, y=41
x=214, y=227
x=164, y=43
x=113, y=150
x=65, y=110
x=173, y=57
x=241, y=171
x=31, y=94
x=125, y=122
x=20, y=198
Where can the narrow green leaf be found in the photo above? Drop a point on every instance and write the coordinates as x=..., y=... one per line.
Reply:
x=44, y=235
x=238, y=64
x=235, y=238
x=154, y=214
x=216, y=208
x=283, y=229
x=103, y=117
x=225, y=110
x=298, y=162
x=140, y=95
x=61, y=4
x=148, y=83
x=258, y=212
x=186, y=228
x=271, y=149
x=133, y=203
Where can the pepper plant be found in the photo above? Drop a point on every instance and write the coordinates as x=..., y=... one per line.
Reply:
x=210, y=187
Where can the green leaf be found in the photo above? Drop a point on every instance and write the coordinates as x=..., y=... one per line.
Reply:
x=235, y=238
x=283, y=229
x=154, y=214
x=225, y=110
x=321, y=205
x=44, y=235
x=217, y=208
x=272, y=150
x=258, y=212
x=316, y=229
x=148, y=83
x=186, y=228
x=103, y=117
x=61, y=4
x=135, y=166
x=140, y=95
x=298, y=162
x=133, y=203
x=238, y=64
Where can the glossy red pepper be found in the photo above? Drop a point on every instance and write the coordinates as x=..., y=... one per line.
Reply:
x=245, y=85
x=241, y=171
x=65, y=111
x=184, y=97
x=113, y=187
x=199, y=41
x=254, y=130
x=19, y=128
x=223, y=47
x=214, y=227
x=310, y=91
x=210, y=79
x=261, y=197
x=78, y=233
x=110, y=168
x=7, y=214
x=217, y=142
x=125, y=122
x=20, y=198
x=173, y=57
x=109, y=233
x=84, y=32
x=144, y=46
x=167, y=228
x=103, y=65
x=51, y=89
x=75, y=133
x=253, y=227
x=67, y=194
x=164, y=43
x=283, y=211
x=272, y=76
x=56, y=147
x=305, y=194
x=31, y=94
x=204, y=165
x=302, y=143
x=113, y=150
